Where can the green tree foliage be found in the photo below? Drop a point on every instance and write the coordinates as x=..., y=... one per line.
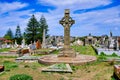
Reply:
x=43, y=25
x=18, y=36
x=32, y=32
x=9, y=34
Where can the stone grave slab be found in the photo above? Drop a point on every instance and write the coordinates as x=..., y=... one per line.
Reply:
x=27, y=59
x=62, y=67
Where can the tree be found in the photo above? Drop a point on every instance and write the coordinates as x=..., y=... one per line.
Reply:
x=32, y=32
x=9, y=34
x=43, y=25
x=18, y=36
x=18, y=32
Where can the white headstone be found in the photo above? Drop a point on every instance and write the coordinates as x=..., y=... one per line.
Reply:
x=117, y=44
x=23, y=43
x=16, y=44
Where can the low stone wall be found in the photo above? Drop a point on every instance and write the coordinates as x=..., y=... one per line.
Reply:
x=106, y=51
x=8, y=54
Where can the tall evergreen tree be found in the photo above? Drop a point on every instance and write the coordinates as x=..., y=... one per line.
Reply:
x=32, y=31
x=18, y=32
x=43, y=25
x=9, y=34
x=18, y=36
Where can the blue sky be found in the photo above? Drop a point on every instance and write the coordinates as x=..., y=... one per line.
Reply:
x=97, y=17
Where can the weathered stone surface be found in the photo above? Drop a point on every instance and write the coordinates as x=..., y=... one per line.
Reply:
x=78, y=60
x=116, y=72
x=67, y=22
x=58, y=68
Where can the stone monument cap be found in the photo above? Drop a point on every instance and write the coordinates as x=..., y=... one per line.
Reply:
x=67, y=11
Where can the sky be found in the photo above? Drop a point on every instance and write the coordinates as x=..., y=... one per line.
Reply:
x=97, y=17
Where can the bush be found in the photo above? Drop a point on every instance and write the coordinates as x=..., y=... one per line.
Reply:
x=114, y=55
x=21, y=77
x=102, y=54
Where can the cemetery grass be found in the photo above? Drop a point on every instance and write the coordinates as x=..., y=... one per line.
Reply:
x=86, y=50
x=92, y=71
x=5, y=49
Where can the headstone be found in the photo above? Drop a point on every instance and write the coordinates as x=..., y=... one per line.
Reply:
x=1, y=68
x=111, y=43
x=23, y=43
x=117, y=44
x=16, y=44
x=32, y=48
x=0, y=45
x=43, y=42
x=78, y=42
x=38, y=44
x=67, y=22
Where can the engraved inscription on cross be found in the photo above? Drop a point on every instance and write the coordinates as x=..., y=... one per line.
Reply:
x=67, y=22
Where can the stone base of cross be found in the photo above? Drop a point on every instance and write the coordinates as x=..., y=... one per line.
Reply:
x=67, y=53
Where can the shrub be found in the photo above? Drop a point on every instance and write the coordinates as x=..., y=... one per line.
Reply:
x=102, y=54
x=21, y=77
x=114, y=55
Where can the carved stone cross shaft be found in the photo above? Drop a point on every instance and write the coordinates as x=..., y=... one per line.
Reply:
x=67, y=22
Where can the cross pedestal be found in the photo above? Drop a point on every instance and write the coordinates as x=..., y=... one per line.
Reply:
x=67, y=22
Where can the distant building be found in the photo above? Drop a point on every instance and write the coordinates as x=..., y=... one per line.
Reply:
x=90, y=40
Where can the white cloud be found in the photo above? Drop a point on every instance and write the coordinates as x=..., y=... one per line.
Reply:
x=95, y=22
x=6, y=7
x=13, y=17
x=74, y=4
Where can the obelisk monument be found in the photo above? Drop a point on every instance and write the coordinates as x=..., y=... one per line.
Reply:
x=44, y=40
x=67, y=22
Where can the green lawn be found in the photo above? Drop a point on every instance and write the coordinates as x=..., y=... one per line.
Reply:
x=92, y=71
x=6, y=49
x=87, y=50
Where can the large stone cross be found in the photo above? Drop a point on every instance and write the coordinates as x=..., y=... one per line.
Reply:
x=67, y=22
